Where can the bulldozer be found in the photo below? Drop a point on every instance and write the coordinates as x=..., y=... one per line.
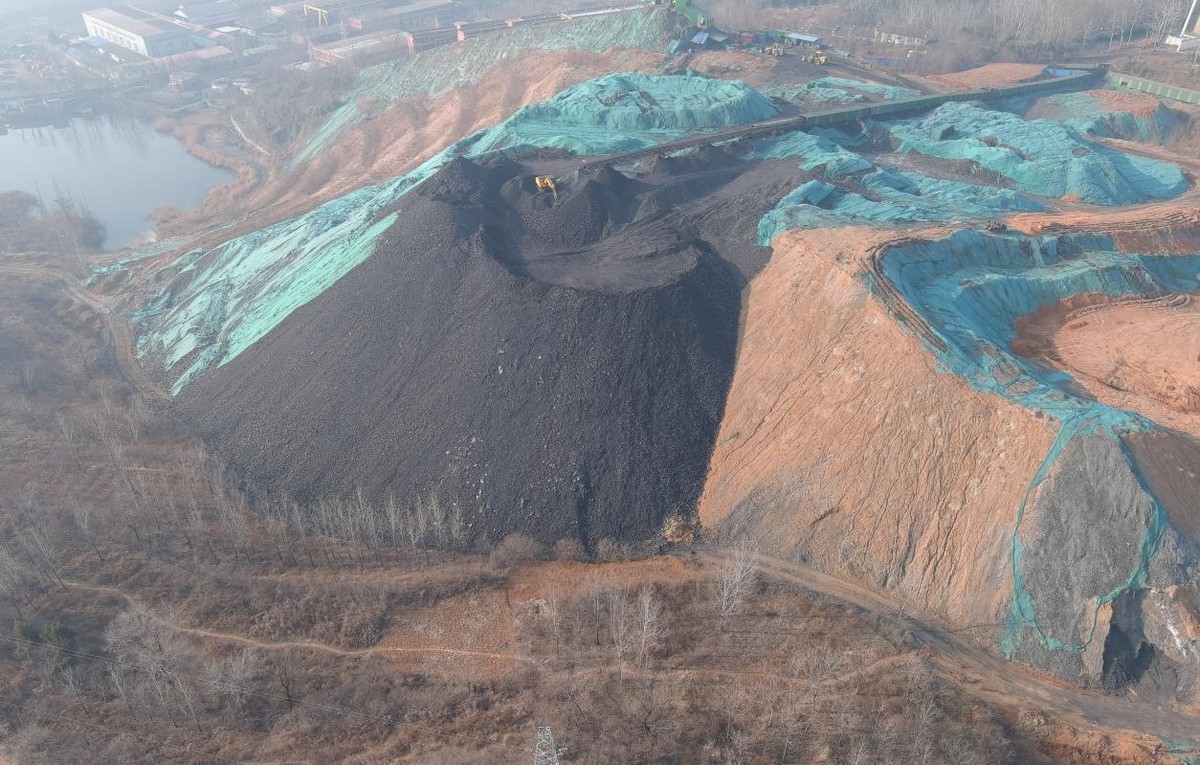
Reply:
x=546, y=183
x=820, y=59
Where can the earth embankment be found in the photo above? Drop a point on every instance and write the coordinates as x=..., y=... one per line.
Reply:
x=840, y=446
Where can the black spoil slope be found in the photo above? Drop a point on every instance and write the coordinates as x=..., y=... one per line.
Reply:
x=555, y=368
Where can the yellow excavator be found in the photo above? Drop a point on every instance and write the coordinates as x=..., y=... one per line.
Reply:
x=546, y=183
x=820, y=59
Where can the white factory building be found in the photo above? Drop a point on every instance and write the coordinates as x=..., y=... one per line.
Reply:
x=138, y=32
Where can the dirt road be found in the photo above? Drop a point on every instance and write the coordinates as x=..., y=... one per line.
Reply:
x=271, y=645
x=989, y=677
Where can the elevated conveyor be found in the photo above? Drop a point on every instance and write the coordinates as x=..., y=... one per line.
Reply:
x=830, y=117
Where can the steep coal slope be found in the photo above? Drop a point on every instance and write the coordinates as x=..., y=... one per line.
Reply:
x=558, y=369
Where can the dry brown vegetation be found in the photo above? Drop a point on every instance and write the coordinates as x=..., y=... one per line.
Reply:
x=64, y=226
x=150, y=616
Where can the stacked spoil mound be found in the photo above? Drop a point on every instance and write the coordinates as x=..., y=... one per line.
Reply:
x=1112, y=114
x=991, y=76
x=1113, y=348
x=981, y=485
x=502, y=362
x=1039, y=156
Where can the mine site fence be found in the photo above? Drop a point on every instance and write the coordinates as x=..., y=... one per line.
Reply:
x=850, y=113
x=1160, y=89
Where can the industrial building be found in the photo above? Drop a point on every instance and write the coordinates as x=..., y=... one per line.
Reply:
x=211, y=14
x=411, y=17
x=138, y=32
x=361, y=50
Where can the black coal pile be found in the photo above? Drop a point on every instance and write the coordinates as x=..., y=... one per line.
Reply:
x=551, y=366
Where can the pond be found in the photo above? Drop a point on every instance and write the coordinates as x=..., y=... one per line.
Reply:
x=118, y=168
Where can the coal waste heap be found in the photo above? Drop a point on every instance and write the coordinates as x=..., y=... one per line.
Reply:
x=556, y=366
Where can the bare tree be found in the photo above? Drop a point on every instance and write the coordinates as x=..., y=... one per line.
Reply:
x=229, y=680
x=735, y=581
x=649, y=624
x=620, y=623
x=284, y=665
x=554, y=619
x=15, y=579
x=82, y=513
x=67, y=428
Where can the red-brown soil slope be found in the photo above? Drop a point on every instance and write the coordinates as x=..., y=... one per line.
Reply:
x=843, y=446
x=990, y=76
x=1139, y=355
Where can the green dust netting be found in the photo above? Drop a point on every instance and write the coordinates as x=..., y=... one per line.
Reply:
x=889, y=92
x=1040, y=156
x=432, y=73
x=1093, y=115
x=244, y=288
x=971, y=288
x=815, y=152
x=828, y=92
x=241, y=290
x=1186, y=751
x=624, y=112
x=886, y=196
x=854, y=190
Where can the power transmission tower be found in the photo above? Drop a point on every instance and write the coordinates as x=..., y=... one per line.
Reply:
x=544, y=752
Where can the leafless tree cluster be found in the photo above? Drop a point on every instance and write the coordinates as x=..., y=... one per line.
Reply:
x=1061, y=28
x=820, y=714
x=735, y=581
x=629, y=627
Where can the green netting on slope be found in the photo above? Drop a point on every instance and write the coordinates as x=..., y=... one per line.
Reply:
x=432, y=73
x=623, y=112
x=813, y=96
x=1040, y=156
x=828, y=92
x=243, y=289
x=1187, y=751
x=855, y=190
x=240, y=291
x=1091, y=115
x=892, y=197
x=971, y=288
x=889, y=92
x=814, y=152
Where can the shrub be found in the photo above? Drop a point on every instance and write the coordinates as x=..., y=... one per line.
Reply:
x=568, y=549
x=513, y=549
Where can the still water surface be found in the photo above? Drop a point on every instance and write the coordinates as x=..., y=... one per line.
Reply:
x=118, y=168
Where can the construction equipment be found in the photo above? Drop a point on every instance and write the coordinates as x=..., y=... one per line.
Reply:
x=820, y=59
x=774, y=49
x=546, y=183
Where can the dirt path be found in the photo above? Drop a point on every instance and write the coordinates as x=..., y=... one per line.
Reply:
x=989, y=677
x=269, y=645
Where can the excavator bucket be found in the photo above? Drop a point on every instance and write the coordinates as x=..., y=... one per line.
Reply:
x=546, y=183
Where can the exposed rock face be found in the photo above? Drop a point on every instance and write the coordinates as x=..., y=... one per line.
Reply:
x=553, y=368
x=1097, y=544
